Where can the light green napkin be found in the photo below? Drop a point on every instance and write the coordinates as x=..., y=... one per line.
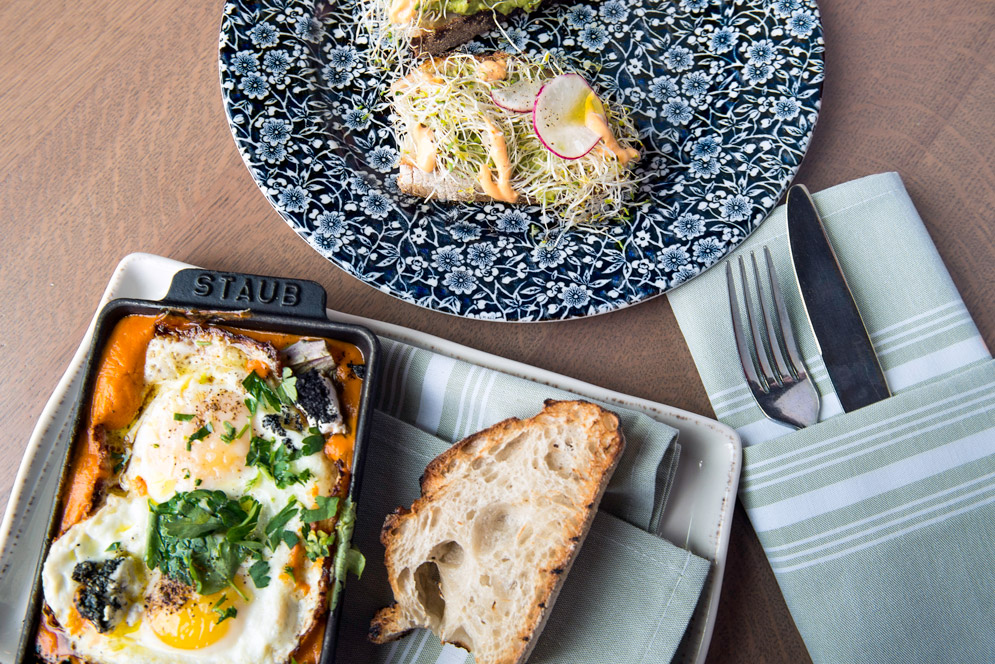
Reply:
x=877, y=523
x=630, y=593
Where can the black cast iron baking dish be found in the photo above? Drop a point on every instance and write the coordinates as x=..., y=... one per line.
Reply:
x=271, y=304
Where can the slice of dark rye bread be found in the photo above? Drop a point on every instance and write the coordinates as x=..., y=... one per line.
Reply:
x=483, y=552
x=452, y=33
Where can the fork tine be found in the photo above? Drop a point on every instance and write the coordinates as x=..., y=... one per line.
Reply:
x=772, y=333
x=758, y=342
x=745, y=358
x=797, y=367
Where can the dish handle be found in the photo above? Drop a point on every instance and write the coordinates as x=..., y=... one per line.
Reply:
x=235, y=291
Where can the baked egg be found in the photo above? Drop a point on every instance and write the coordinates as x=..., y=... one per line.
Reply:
x=212, y=544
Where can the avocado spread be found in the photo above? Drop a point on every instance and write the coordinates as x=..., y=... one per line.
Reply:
x=468, y=7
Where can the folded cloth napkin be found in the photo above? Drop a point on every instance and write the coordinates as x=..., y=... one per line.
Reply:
x=877, y=523
x=630, y=593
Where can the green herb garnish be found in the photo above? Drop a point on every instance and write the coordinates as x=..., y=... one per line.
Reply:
x=312, y=443
x=183, y=417
x=274, y=460
x=116, y=546
x=274, y=528
x=200, y=434
x=290, y=538
x=261, y=391
x=229, y=432
x=287, y=391
x=224, y=614
x=327, y=506
x=316, y=543
x=201, y=537
x=260, y=573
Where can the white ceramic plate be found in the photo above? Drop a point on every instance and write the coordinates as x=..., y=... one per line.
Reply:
x=698, y=513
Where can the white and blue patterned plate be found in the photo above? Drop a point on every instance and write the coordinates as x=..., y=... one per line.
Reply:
x=725, y=94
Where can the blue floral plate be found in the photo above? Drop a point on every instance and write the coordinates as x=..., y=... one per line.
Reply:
x=725, y=94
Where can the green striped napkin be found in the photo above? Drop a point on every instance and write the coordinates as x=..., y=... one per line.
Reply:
x=877, y=523
x=630, y=593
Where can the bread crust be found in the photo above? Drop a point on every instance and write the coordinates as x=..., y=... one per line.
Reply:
x=438, y=186
x=603, y=426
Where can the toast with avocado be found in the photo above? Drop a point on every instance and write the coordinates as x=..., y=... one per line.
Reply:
x=506, y=128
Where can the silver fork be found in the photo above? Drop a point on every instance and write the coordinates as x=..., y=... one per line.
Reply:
x=771, y=362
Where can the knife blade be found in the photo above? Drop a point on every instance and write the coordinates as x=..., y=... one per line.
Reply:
x=840, y=333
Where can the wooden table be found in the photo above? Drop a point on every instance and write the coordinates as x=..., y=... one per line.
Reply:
x=115, y=140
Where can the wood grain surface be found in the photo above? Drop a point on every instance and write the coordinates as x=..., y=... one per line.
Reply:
x=114, y=140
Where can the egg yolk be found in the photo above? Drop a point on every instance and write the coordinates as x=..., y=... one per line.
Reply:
x=166, y=449
x=194, y=625
x=124, y=629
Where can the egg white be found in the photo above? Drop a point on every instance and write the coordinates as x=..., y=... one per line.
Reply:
x=204, y=380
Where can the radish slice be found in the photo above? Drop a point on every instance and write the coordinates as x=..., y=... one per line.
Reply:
x=519, y=97
x=559, y=116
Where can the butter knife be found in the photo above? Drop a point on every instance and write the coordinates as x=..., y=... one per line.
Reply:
x=839, y=330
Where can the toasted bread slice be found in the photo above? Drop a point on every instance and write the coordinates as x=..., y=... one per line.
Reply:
x=481, y=556
x=452, y=33
x=438, y=185
x=457, y=144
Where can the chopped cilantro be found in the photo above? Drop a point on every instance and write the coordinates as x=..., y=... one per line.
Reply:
x=287, y=391
x=275, y=526
x=274, y=460
x=200, y=434
x=260, y=573
x=312, y=443
x=230, y=434
x=261, y=391
x=202, y=537
x=290, y=538
x=251, y=404
x=224, y=614
x=289, y=571
x=327, y=506
x=116, y=546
